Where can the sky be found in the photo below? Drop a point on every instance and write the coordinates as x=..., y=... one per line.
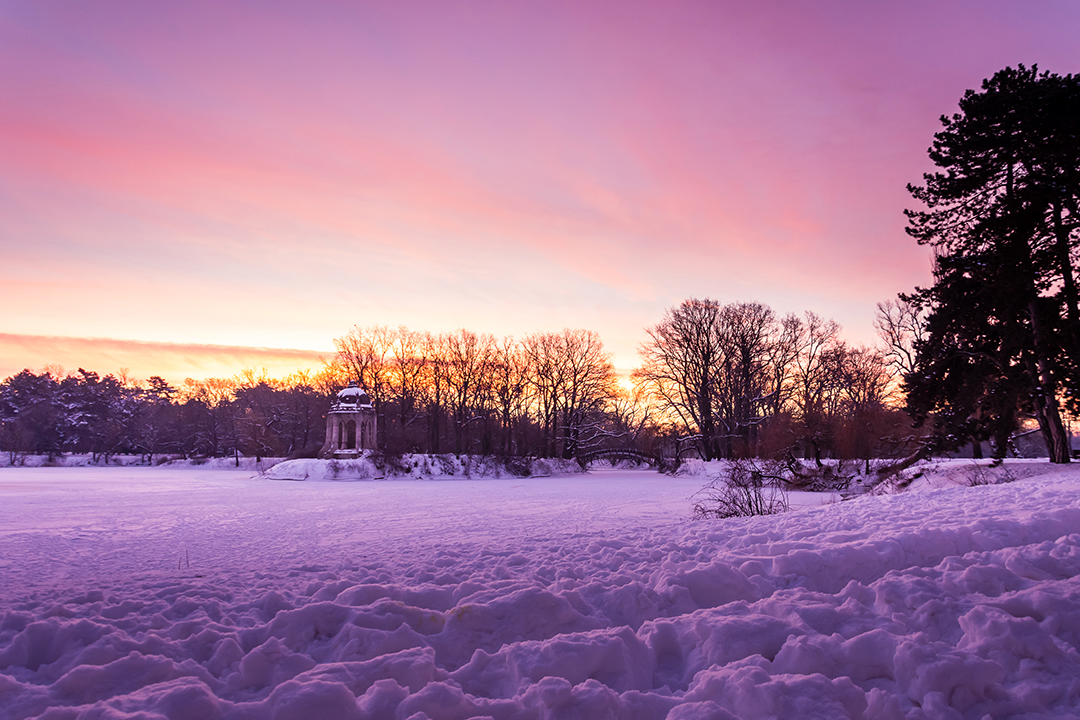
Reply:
x=191, y=188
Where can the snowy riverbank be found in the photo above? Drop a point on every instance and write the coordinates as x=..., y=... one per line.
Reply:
x=186, y=593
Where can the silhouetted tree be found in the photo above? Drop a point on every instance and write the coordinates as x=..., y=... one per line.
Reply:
x=31, y=415
x=680, y=364
x=1002, y=318
x=155, y=429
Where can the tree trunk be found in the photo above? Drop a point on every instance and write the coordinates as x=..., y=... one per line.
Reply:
x=1045, y=395
x=1068, y=283
x=921, y=453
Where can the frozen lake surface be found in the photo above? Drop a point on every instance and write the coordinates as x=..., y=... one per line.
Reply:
x=193, y=593
x=106, y=525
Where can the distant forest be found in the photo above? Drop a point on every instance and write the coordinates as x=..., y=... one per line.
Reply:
x=715, y=381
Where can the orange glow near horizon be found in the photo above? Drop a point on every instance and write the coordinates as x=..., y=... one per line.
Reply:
x=140, y=360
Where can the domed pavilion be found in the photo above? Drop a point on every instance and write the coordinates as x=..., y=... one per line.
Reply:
x=350, y=425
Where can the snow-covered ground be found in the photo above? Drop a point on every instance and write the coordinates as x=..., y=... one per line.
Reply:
x=204, y=593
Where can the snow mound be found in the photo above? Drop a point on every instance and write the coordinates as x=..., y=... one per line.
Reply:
x=575, y=597
x=323, y=470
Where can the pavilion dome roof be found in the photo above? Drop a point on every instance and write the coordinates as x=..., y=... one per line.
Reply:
x=352, y=396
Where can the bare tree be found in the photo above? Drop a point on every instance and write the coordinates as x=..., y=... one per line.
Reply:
x=724, y=372
x=901, y=325
x=408, y=374
x=509, y=382
x=435, y=385
x=544, y=375
x=748, y=332
x=815, y=376
x=588, y=388
x=864, y=377
x=680, y=363
x=571, y=380
x=468, y=361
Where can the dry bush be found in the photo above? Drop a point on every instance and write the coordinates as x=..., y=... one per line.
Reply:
x=744, y=490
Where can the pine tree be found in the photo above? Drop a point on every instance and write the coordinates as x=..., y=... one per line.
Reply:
x=1002, y=217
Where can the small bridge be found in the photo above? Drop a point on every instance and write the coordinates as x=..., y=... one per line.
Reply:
x=619, y=454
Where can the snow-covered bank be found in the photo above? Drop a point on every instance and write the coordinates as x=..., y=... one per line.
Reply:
x=74, y=460
x=587, y=596
x=417, y=467
x=420, y=467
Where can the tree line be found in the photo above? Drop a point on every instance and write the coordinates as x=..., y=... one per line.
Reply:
x=746, y=383
x=553, y=394
x=715, y=380
x=53, y=412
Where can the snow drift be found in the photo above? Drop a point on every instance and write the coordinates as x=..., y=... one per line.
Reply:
x=323, y=470
x=582, y=597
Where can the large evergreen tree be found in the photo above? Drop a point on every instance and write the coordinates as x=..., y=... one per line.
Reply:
x=1002, y=216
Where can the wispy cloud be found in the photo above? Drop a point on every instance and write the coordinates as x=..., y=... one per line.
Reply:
x=173, y=361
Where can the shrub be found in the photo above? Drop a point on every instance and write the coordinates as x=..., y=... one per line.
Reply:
x=745, y=489
x=519, y=466
x=391, y=463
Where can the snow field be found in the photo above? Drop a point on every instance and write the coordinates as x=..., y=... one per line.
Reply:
x=568, y=597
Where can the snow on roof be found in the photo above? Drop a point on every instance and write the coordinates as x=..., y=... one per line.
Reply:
x=353, y=395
